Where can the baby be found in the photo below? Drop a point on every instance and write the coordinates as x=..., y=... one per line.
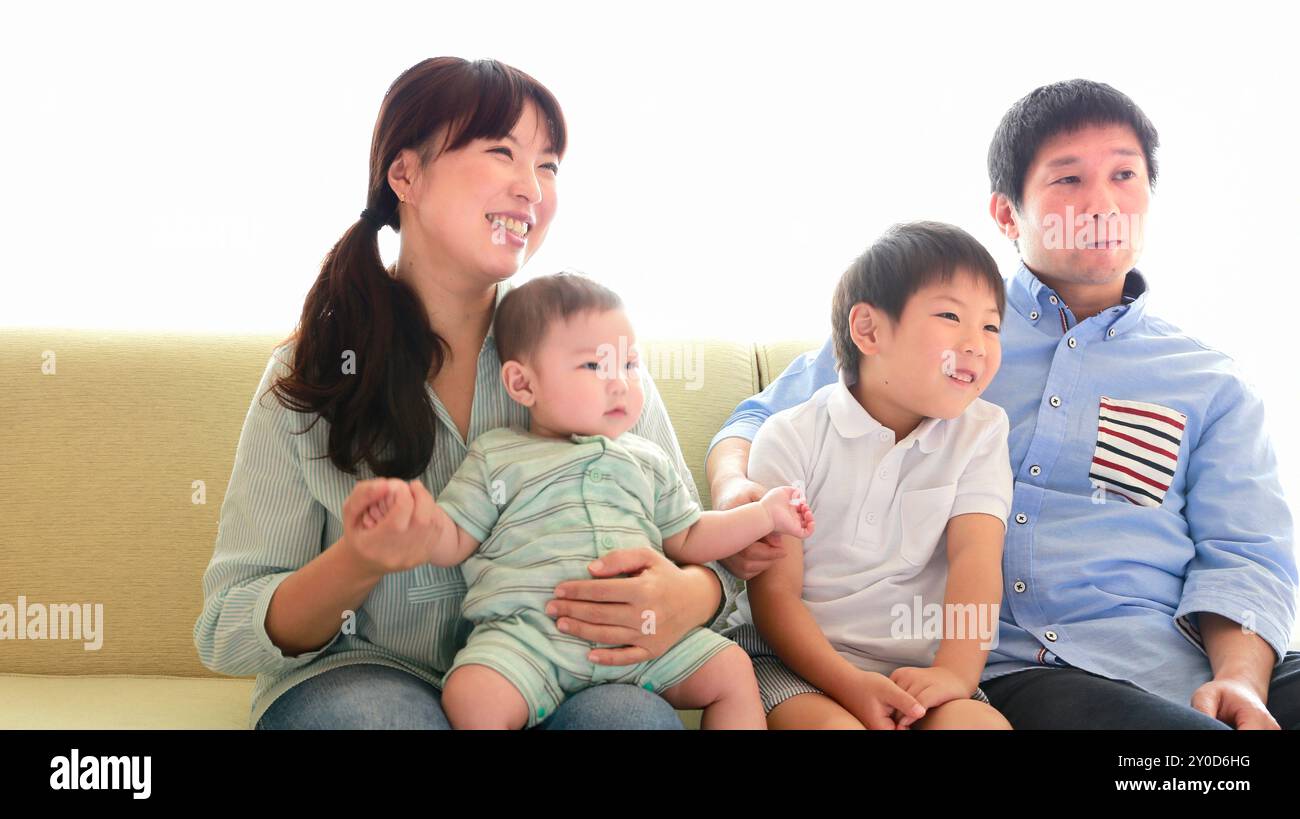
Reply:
x=528, y=509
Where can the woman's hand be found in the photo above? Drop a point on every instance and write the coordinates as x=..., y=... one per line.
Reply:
x=760, y=555
x=641, y=616
x=406, y=535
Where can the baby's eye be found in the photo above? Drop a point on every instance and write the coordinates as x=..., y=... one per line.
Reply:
x=993, y=328
x=591, y=365
x=952, y=316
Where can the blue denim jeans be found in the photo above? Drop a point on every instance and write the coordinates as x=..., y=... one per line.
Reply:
x=1073, y=698
x=368, y=696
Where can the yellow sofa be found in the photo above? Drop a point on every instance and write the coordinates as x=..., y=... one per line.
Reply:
x=117, y=450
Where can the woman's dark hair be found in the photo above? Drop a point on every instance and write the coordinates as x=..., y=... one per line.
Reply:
x=1054, y=109
x=356, y=308
x=906, y=258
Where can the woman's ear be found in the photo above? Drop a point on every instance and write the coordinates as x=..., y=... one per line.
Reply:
x=520, y=382
x=864, y=328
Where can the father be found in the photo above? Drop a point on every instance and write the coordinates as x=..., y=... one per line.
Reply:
x=1149, y=575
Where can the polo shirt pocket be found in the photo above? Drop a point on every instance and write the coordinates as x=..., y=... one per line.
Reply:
x=924, y=515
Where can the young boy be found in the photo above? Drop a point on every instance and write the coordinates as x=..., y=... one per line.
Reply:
x=884, y=617
x=528, y=509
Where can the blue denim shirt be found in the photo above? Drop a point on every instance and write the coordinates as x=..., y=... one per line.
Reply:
x=1146, y=491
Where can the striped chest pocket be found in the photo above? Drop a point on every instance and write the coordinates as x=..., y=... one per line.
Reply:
x=1137, y=450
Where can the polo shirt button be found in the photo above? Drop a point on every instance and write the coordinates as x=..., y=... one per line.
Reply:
x=1019, y=585
x=1072, y=343
x=1035, y=470
x=1050, y=635
x=1055, y=401
x=1033, y=315
x=884, y=435
x=1053, y=299
x=1110, y=333
x=884, y=473
x=1022, y=518
x=871, y=518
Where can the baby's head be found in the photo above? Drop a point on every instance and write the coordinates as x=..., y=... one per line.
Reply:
x=568, y=354
x=917, y=318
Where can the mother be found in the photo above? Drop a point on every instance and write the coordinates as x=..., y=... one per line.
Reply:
x=353, y=628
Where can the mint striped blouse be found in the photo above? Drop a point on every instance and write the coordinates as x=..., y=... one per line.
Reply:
x=284, y=505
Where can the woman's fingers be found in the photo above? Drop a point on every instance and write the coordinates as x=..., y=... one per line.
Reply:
x=609, y=635
x=596, y=614
x=609, y=590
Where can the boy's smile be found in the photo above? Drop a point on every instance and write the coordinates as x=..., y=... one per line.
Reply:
x=936, y=359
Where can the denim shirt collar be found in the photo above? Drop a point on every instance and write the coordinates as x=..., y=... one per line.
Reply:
x=1044, y=308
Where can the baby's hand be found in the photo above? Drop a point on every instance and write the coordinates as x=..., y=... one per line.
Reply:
x=376, y=511
x=930, y=686
x=790, y=512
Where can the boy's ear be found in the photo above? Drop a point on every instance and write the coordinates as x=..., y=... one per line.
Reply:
x=1004, y=214
x=864, y=327
x=520, y=382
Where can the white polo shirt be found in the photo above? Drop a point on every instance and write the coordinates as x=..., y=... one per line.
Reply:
x=882, y=508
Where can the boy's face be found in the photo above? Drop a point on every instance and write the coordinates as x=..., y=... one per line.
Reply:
x=942, y=352
x=584, y=378
x=1084, y=205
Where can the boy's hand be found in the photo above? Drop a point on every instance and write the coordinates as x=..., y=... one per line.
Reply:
x=930, y=686
x=879, y=699
x=789, y=511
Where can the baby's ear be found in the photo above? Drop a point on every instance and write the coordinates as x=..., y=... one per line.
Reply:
x=518, y=380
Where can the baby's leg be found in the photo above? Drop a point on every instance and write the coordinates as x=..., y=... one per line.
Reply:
x=725, y=688
x=478, y=697
x=963, y=714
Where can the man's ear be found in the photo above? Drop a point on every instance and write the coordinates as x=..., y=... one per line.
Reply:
x=520, y=382
x=864, y=327
x=1004, y=214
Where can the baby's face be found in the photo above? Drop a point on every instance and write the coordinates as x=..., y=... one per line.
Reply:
x=945, y=348
x=588, y=377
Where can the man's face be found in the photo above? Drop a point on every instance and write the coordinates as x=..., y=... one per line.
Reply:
x=1084, y=206
x=586, y=376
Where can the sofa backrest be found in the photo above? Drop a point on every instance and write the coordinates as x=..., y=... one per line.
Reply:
x=117, y=449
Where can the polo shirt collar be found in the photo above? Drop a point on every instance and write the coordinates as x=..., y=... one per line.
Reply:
x=851, y=420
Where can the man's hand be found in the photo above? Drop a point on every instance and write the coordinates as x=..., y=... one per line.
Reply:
x=1235, y=702
x=760, y=555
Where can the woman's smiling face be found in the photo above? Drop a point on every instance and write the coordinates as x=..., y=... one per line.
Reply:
x=482, y=209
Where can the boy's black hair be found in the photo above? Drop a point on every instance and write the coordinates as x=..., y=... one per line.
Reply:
x=1057, y=109
x=905, y=259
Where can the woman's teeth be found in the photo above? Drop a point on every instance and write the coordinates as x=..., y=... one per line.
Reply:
x=515, y=227
x=967, y=377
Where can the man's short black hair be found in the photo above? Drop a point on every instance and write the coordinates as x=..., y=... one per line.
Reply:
x=1054, y=109
x=906, y=258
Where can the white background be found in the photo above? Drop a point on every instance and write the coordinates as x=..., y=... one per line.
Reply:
x=187, y=166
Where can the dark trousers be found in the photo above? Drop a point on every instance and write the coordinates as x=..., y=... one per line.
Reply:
x=1074, y=698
